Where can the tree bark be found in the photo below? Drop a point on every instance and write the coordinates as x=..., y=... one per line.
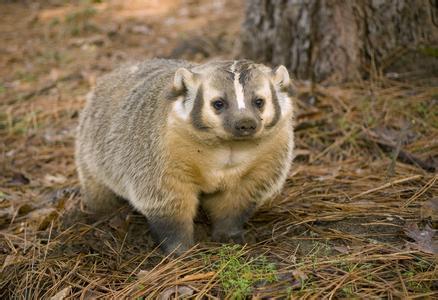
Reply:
x=329, y=40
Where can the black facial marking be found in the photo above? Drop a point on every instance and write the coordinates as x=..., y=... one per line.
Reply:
x=277, y=109
x=245, y=76
x=196, y=113
x=229, y=75
x=228, y=123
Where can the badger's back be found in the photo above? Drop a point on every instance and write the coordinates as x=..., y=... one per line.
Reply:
x=121, y=125
x=119, y=95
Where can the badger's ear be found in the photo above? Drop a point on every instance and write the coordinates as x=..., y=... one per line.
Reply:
x=183, y=80
x=281, y=77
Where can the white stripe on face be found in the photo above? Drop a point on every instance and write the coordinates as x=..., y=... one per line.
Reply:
x=238, y=88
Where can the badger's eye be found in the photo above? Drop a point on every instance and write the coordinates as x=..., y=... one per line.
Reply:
x=259, y=103
x=219, y=104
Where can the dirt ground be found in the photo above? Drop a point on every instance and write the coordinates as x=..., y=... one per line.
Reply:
x=356, y=219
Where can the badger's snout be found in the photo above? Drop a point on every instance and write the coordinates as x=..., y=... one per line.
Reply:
x=245, y=127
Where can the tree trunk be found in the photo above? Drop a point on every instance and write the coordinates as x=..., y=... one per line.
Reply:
x=336, y=40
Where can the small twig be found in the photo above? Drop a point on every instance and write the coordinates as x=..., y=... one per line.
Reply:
x=386, y=185
x=396, y=151
x=48, y=241
x=409, y=158
x=401, y=154
x=421, y=191
x=64, y=278
x=405, y=290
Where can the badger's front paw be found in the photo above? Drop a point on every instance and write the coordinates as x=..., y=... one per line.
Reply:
x=176, y=247
x=172, y=236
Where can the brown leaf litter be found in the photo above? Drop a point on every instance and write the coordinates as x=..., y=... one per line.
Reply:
x=357, y=217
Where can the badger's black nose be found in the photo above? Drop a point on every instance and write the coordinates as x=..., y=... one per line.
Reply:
x=245, y=127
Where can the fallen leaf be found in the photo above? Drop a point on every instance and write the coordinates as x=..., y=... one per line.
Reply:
x=97, y=40
x=331, y=175
x=342, y=249
x=54, y=74
x=12, y=260
x=6, y=215
x=54, y=179
x=302, y=152
x=299, y=275
x=430, y=209
x=193, y=277
x=423, y=238
x=19, y=179
x=24, y=209
x=90, y=295
x=296, y=279
x=43, y=217
x=56, y=196
x=142, y=273
x=365, y=204
x=11, y=153
x=176, y=292
x=119, y=223
x=62, y=294
x=142, y=29
x=391, y=140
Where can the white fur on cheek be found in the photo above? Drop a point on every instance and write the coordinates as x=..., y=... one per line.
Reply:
x=268, y=113
x=184, y=105
x=180, y=109
x=285, y=103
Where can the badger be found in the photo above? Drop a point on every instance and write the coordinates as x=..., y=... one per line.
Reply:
x=170, y=136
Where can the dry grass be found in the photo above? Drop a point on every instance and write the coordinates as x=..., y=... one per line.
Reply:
x=362, y=179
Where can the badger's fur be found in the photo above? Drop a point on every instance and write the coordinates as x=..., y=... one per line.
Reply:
x=170, y=135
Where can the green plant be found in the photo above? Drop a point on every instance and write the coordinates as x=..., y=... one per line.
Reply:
x=238, y=273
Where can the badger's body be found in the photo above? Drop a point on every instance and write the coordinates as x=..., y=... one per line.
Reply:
x=169, y=136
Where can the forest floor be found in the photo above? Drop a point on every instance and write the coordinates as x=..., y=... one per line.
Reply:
x=356, y=219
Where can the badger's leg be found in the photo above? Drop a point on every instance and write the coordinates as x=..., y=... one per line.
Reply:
x=228, y=211
x=170, y=211
x=231, y=208
x=96, y=196
x=172, y=233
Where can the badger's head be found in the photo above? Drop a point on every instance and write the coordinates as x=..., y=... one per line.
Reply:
x=232, y=100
